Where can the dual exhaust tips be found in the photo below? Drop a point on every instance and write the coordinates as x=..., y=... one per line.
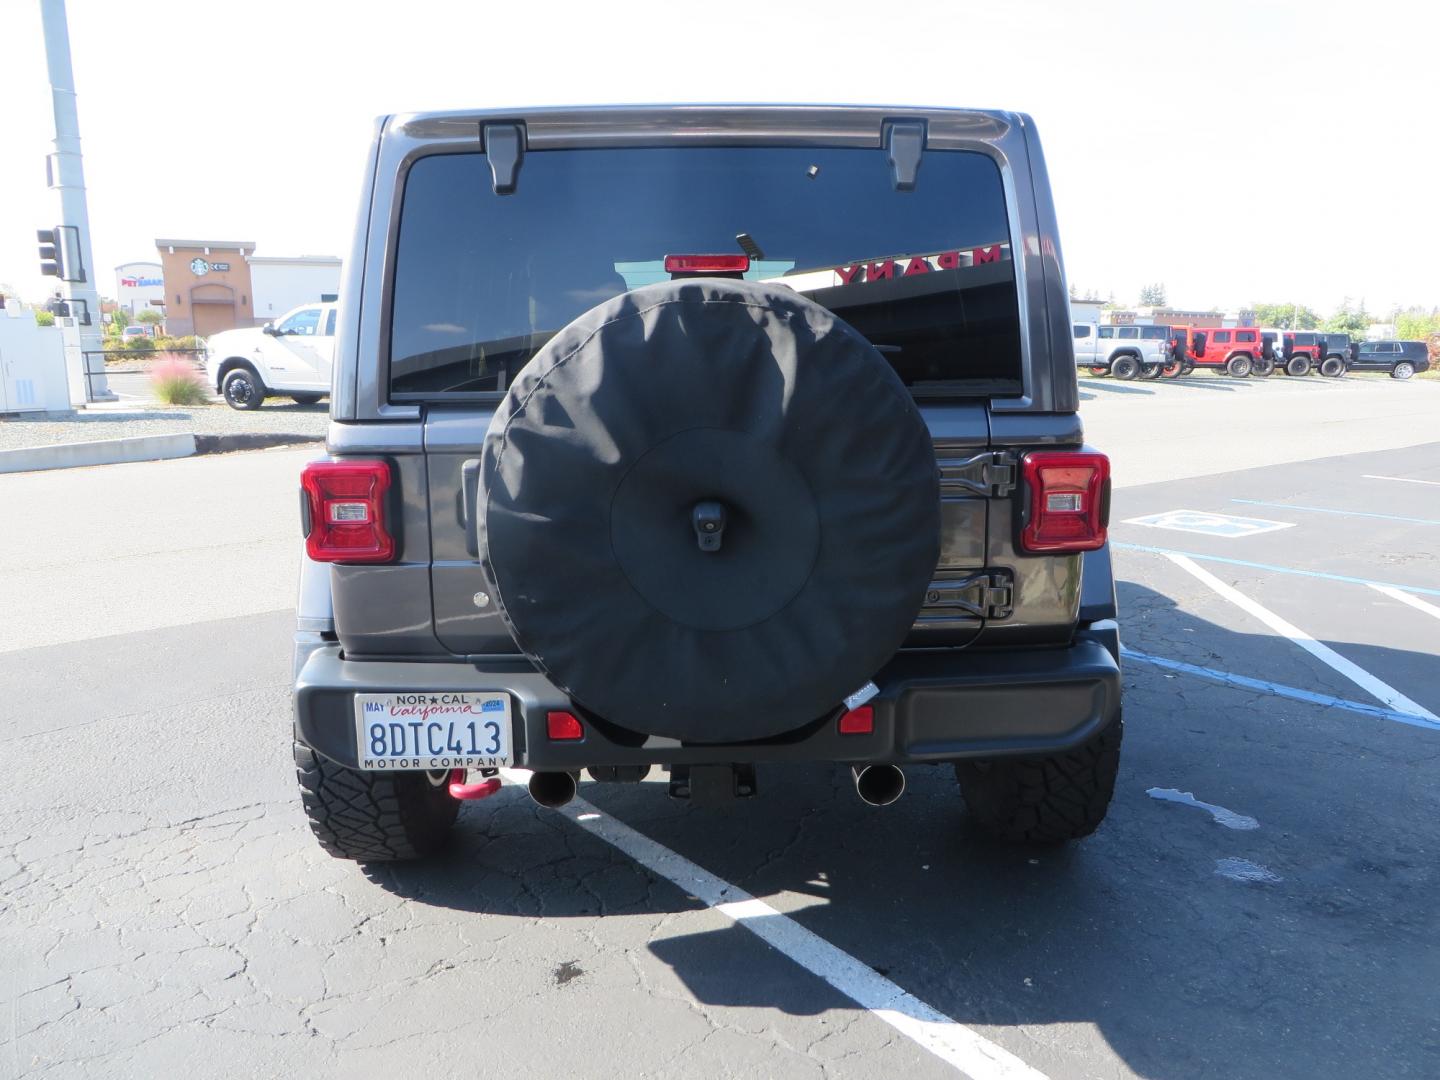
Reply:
x=877, y=785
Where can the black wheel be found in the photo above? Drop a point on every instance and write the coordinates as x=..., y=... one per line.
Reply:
x=243, y=389
x=1238, y=366
x=1332, y=367
x=1125, y=367
x=306, y=399
x=1403, y=370
x=374, y=817
x=1262, y=368
x=1298, y=366
x=1187, y=367
x=1172, y=370
x=1045, y=800
x=1150, y=372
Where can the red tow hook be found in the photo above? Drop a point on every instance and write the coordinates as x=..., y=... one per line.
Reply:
x=459, y=789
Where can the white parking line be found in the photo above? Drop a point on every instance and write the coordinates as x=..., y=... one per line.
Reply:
x=1401, y=479
x=1377, y=688
x=953, y=1043
x=1406, y=598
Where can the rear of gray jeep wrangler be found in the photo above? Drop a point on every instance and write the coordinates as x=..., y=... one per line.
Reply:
x=702, y=438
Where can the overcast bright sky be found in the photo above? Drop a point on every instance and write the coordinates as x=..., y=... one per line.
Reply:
x=1237, y=151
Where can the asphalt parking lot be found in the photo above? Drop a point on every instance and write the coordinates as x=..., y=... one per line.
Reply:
x=1259, y=903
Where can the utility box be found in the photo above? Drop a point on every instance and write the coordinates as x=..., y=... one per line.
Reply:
x=32, y=365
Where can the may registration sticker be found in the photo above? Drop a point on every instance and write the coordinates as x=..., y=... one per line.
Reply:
x=432, y=730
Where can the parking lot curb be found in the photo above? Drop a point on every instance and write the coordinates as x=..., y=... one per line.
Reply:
x=140, y=448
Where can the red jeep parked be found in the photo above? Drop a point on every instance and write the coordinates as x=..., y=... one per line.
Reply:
x=1239, y=350
x=1303, y=350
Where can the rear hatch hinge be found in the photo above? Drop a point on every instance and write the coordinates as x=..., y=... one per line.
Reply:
x=989, y=473
x=987, y=594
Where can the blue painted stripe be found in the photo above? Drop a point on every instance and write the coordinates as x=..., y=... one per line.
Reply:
x=1280, y=690
x=1338, y=513
x=1276, y=569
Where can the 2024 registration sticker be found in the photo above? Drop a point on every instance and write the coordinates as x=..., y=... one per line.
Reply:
x=432, y=731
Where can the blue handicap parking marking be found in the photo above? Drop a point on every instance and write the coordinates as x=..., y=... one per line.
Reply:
x=1198, y=521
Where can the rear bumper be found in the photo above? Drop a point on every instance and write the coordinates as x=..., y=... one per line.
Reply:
x=933, y=706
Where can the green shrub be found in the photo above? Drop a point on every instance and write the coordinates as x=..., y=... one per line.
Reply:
x=178, y=344
x=44, y=318
x=138, y=345
x=176, y=381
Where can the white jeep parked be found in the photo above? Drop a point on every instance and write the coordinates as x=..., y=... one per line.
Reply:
x=291, y=356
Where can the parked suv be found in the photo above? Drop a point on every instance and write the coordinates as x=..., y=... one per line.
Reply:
x=1401, y=359
x=611, y=486
x=1125, y=352
x=1303, y=351
x=1338, y=350
x=1239, y=351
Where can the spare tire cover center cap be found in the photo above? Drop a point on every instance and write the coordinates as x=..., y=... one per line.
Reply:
x=772, y=531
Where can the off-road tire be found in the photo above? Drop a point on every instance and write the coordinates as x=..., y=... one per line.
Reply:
x=373, y=817
x=306, y=399
x=1298, y=366
x=1097, y=370
x=1262, y=368
x=1332, y=367
x=1044, y=800
x=1238, y=367
x=1150, y=372
x=1403, y=370
x=233, y=388
x=1173, y=369
x=1124, y=367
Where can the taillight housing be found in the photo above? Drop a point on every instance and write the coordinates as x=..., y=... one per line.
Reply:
x=1067, y=501
x=344, y=504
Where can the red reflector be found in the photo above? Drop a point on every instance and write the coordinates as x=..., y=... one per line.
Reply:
x=859, y=721
x=1068, y=498
x=346, y=504
x=706, y=264
x=562, y=727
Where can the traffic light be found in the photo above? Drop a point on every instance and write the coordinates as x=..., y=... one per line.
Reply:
x=49, y=253
x=60, y=252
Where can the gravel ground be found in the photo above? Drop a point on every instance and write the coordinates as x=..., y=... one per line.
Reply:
x=272, y=418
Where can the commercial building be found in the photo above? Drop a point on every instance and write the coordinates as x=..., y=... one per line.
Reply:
x=207, y=285
x=139, y=285
x=281, y=283
x=1173, y=316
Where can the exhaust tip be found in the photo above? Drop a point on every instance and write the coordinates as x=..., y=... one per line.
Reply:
x=552, y=789
x=879, y=785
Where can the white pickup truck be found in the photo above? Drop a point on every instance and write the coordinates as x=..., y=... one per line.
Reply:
x=1124, y=351
x=291, y=356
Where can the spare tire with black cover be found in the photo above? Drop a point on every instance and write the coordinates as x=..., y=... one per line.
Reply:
x=740, y=406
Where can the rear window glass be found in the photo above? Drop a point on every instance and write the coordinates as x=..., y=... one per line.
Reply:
x=1245, y=335
x=1154, y=333
x=483, y=281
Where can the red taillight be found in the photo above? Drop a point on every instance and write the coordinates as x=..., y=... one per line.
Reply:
x=707, y=264
x=1068, y=501
x=859, y=721
x=345, y=503
x=563, y=727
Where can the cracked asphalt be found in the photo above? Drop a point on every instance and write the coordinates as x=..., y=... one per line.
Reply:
x=164, y=910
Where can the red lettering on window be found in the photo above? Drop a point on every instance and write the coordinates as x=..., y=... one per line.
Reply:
x=985, y=254
x=916, y=266
x=880, y=271
x=948, y=260
x=850, y=274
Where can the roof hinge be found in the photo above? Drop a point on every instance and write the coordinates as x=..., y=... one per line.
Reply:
x=904, y=143
x=505, y=151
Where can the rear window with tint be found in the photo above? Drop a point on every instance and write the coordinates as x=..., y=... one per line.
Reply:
x=1154, y=333
x=483, y=281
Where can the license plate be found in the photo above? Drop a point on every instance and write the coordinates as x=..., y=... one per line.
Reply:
x=432, y=731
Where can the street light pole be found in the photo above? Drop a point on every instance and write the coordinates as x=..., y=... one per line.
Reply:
x=66, y=177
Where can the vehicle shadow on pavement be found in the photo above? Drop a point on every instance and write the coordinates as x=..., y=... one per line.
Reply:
x=1134, y=934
